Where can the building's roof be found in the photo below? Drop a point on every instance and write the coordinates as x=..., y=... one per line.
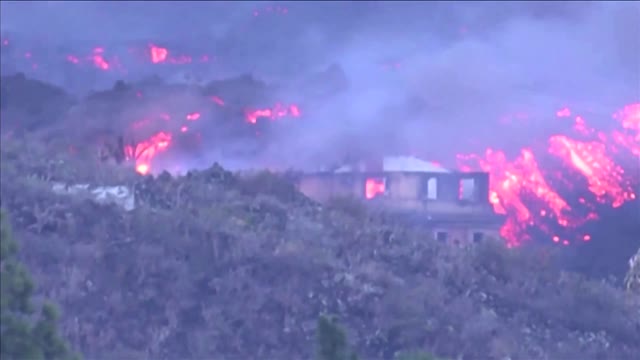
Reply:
x=399, y=163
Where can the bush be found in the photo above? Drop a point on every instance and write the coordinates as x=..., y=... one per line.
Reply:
x=332, y=341
x=416, y=355
x=348, y=205
x=281, y=186
x=333, y=345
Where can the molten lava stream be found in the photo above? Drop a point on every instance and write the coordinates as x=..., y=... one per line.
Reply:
x=530, y=197
x=144, y=152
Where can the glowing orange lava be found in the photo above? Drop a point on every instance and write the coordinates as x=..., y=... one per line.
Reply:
x=143, y=152
x=278, y=111
x=158, y=54
x=605, y=178
x=373, y=187
x=521, y=190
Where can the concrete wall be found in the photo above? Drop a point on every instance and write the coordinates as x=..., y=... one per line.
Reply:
x=461, y=219
x=419, y=191
x=462, y=234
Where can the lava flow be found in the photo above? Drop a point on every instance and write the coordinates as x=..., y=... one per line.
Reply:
x=104, y=59
x=276, y=112
x=529, y=196
x=145, y=152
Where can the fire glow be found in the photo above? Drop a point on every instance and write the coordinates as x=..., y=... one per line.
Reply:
x=102, y=59
x=145, y=152
x=522, y=188
x=374, y=187
x=276, y=112
x=523, y=192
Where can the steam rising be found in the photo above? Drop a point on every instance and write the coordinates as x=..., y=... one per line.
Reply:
x=428, y=78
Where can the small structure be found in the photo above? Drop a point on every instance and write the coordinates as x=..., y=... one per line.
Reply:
x=455, y=205
x=121, y=196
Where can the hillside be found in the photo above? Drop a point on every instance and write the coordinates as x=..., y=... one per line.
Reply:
x=221, y=265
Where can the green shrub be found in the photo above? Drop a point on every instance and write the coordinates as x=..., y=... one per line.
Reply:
x=279, y=186
x=348, y=205
x=332, y=341
x=416, y=355
x=332, y=344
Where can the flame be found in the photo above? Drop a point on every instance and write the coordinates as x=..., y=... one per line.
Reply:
x=529, y=196
x=278, y=111
x=217, y=100
x=564, y=112
x=605, y=178
x=97, y=58
x=629, y=117
x=73, y=59
x=524, y=191
x=158, y=54
x=143, y=152
x=373, y=187
x=193, y=116
x=629, y=137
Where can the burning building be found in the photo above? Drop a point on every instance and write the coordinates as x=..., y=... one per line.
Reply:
x=455, y=205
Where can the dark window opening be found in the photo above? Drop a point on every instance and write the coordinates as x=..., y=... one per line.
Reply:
x=478, y=236
x=441, y=236
x=467, y=189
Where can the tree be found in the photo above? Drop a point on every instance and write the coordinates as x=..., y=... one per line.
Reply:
x=418, y=355
x=25, y=332
x=332, y=341
x=332, y=344
x=632, y=280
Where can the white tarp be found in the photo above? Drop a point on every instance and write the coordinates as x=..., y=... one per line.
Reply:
x=122, y=196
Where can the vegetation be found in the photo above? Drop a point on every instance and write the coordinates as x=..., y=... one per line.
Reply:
x=332, y=341
x=332, y=344
x=26, y=333
x=215, y=263
x=238, y=266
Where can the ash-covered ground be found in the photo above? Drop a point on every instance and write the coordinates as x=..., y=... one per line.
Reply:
x=215, y=264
